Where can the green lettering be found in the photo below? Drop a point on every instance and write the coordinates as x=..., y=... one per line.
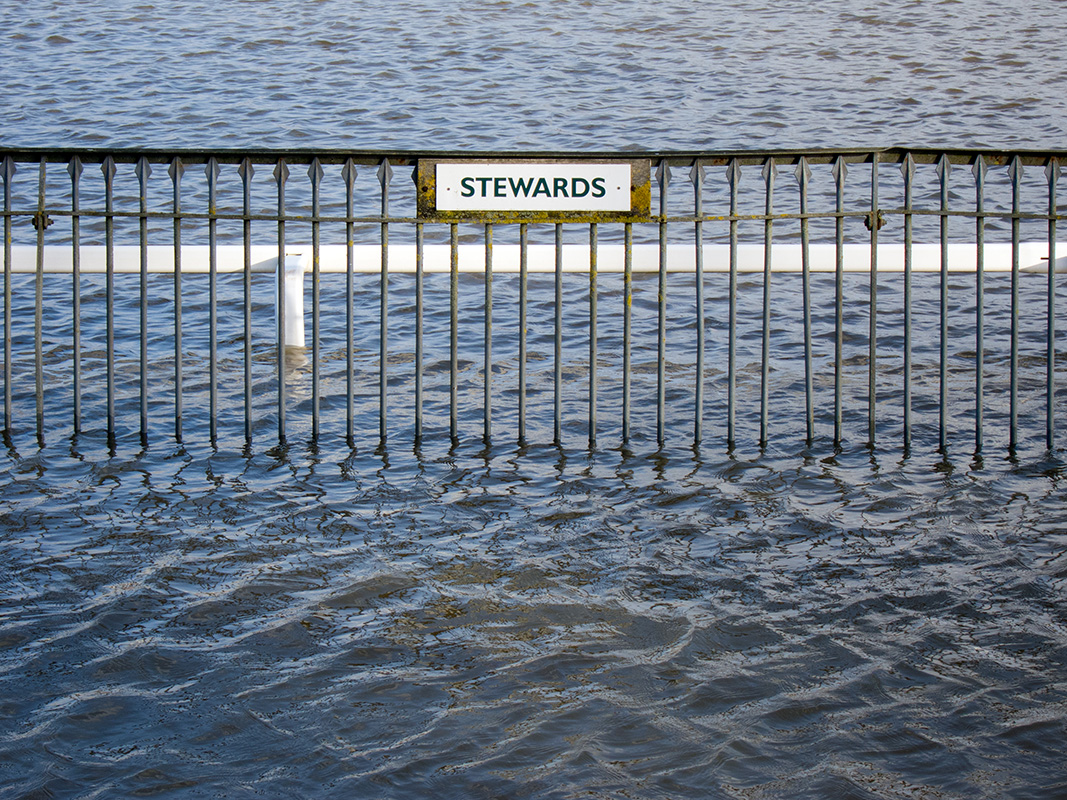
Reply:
x=500, y=187
x=542, y=188
x=598, y=187
x=468, y=187
x=483, y=182
x=520, y=185
x=574, y=187
x=559, y=187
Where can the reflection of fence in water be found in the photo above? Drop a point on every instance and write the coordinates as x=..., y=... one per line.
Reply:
x=743, y=228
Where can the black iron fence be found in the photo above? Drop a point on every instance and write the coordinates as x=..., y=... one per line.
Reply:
x=921, y=215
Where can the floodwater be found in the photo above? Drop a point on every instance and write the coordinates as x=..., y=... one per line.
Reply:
x=535, y=75
x=511, y=620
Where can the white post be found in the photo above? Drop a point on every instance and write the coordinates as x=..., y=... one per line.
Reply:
x=295, y=265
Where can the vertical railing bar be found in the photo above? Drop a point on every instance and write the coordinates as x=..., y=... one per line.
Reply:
x=453, y=369
x=108, y=168
x=385, y=173
x=1052, y=172
x=875, y=221
x=663, y=175
x=908, y=171
x=315, y=173
x=349, y=173
x=1015, y=171
x=523, y=267
x=487, y=402
x=840, y=172
x=9, y=174
x=144, y=171
x=212, y=171
x=74, y=168
x=770, y=171
x=627, y=307
x=246, y=171
x=979, y=170
x=803, y=175
x=420, y=247
x=281, y=174
x=40, y=223
x=733, y=175
x=557, y=398
x=175, y=171
x=592, y=332
x=944, y=168
x=696, y=175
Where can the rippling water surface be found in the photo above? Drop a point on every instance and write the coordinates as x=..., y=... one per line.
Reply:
x=504, y=621
x=537, y=624
x=503, y=75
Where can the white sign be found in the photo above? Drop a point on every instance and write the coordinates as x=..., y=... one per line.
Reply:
x=513, y=186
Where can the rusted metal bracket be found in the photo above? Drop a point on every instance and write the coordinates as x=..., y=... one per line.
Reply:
x=874, y=218
x=41, y=221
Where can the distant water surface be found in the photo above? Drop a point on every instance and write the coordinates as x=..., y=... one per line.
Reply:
x=547, y=75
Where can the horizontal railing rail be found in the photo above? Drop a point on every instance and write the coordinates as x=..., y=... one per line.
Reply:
x=611, y=258
x=882, y=212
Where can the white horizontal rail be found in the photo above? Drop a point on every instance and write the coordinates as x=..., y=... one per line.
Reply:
x=962, y=257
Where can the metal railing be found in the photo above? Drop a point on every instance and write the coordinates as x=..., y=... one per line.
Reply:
x=146, y=212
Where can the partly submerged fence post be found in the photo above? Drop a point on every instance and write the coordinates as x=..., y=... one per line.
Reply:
x=663, y=175
x=593, y=243
x=211, y=172
x=696, y=175
x=176, y=170
x=1052, y=173
x=1015, y=172
x=74, y=169
x=349, y=173
x=9, y=175
x=144, y=171
x=315, y=174
x=907, y=170
x=281, y=174
x=944, y=169
x=840, y=171
x=108, y=169
x=40, y=222
x=246, y=171
x=770, y=172
x=487, y=339
x=733, y=175
x=979, y=169
x=803, y=175
x=874, y=222
x=385, y=175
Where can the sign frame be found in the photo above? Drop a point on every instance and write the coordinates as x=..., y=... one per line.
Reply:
x=640, y=193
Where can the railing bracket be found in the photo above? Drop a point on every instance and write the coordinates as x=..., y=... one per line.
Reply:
x=875, y=217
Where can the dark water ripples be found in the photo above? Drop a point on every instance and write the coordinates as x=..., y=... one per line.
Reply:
x=536, y=75
x=659, y=624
